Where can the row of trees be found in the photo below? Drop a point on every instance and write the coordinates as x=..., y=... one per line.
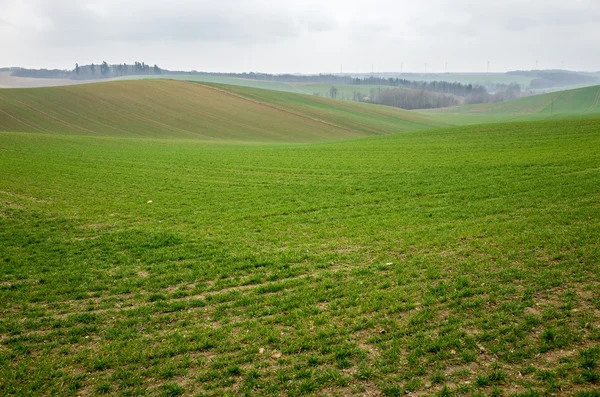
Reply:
x=413, y=99
x=444, y=87
x=42, y=73
x=410, y=98
x=405, y=98
x=468, y=93
x=105, y=70
x=91, y=72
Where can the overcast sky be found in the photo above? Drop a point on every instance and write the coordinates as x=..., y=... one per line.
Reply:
x=281, y=36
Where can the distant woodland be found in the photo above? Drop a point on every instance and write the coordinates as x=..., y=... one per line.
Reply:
x=554, y=78
x=90, y=72
x=398, y=92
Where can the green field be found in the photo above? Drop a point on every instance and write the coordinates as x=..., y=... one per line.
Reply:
x=178, y=109
x=178, y=259
x=575, y=103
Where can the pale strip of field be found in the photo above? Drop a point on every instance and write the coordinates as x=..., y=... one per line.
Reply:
x=8, y=81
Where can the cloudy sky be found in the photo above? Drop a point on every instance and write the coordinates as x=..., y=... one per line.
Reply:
x=280, y=36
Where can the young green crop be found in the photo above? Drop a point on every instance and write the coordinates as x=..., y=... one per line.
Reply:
x=462, y=261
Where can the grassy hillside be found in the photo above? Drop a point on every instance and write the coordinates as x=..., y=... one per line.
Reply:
x=581, y=102
x=447, y=262
x=366, y=118
x=176, y=109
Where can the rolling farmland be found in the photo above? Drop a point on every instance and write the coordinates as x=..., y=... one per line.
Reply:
x=169, y=238
x=576, y=103
x=176, y=109
x=352, y=115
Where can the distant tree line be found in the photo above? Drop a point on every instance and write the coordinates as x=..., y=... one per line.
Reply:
x=91, y=72
x=41, y=73
x=407, y=94
x=407, y=98
x=468, y=93
x=505, y=92
x=434, y=86
x=543, y=79
x=422, y=98
x=443, y=87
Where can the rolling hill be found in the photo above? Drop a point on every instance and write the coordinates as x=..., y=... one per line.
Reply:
x=367, y=118
x=447, y=262
x=576, y=103
x=179, y=109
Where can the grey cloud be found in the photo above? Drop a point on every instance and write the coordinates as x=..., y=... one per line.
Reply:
x=4, y=22
x=518, y=23
x=303, y=35
x=71, y=21
x=318, y=23
x=520, y=15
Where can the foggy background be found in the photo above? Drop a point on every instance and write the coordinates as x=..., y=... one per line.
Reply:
x=303, y=36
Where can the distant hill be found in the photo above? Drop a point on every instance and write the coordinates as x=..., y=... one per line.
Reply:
x=580, y=102
x=543, y=79
x=185, y=110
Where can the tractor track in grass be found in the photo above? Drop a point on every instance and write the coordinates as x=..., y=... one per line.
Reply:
x=481, y=264
x=73, y=306
x=29, y=124
x=58, y=120
x=595, y=102
x=280, y=109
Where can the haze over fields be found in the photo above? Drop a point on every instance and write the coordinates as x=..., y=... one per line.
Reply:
x=9, y=81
